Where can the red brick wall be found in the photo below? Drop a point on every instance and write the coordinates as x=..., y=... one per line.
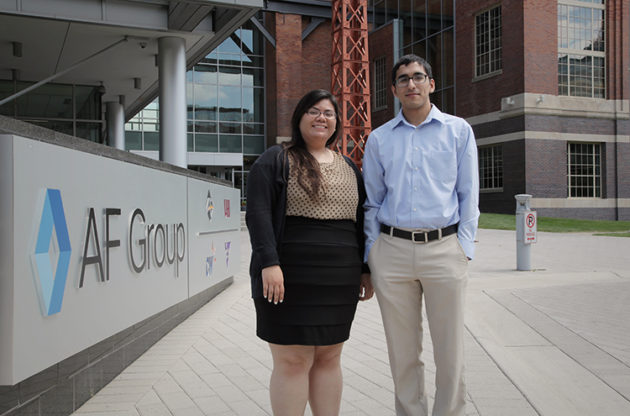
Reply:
x=546, y=168
x=293, y=68
x=618, y=49
x=381, y=43
x=540, y=21
x=316, y=58
x=270, y=82
x=288, y=68
x=483, y=96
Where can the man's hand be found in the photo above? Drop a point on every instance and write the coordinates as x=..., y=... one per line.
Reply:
x=366, y=290
x=273, y=284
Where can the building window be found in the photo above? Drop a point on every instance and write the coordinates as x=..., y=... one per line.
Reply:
x=225, y=97
x=488, y=42
x=582, y=49
x=585, y=180
x=70, y=109
x=380, y=84
x=491, y=167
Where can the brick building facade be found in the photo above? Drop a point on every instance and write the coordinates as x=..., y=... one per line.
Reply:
x=545, y=85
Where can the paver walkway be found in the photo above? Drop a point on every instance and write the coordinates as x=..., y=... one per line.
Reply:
x=554, y=341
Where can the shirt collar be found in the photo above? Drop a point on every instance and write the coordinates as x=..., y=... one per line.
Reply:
x=434, y=114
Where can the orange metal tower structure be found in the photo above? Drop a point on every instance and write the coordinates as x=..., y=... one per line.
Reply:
x=351, y=74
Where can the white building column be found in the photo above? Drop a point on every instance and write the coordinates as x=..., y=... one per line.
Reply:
x=172, y=73
x=115, y=125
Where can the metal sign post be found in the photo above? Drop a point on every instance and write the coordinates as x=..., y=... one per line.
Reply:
x=526, y=224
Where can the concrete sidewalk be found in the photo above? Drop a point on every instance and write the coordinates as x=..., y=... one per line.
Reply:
x=554, y=341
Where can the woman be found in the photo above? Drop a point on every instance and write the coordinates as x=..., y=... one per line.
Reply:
x=305, y=219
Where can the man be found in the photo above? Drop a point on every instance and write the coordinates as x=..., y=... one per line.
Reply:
x=421, y=213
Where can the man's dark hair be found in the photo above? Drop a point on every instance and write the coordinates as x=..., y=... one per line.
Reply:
x=408, y=59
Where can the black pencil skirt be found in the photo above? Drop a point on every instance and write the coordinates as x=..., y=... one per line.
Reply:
x=321, y=265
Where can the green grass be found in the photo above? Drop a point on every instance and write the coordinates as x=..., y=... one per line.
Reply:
x=614, y=234
x=558, y=225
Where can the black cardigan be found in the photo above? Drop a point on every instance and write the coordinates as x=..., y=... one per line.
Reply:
x=266, y=207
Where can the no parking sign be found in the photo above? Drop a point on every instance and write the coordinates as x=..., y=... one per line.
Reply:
x=530, y=221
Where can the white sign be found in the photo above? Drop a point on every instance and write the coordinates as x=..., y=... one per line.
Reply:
x=91, y=246
x=529, y=226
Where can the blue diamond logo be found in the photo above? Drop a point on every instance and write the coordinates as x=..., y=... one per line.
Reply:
x=52, y=283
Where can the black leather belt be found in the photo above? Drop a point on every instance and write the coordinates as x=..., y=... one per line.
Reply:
x=419, y=236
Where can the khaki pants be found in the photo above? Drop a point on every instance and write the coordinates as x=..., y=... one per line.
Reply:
x=402, y=272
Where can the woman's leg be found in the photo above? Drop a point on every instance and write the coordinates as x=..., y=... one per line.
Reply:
x=326, y=381
x=289, y=385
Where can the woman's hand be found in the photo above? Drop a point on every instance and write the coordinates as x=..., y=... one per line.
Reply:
x=273, y=284
x=366, y=290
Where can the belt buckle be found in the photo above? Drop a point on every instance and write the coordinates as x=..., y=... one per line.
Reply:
x=424, y=233
x=426, y=236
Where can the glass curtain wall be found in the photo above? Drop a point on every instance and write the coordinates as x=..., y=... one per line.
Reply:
x=70, y=109
x=428, y=30
x=225, y=107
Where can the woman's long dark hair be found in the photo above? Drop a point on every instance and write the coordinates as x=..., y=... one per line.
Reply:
x=308, y=173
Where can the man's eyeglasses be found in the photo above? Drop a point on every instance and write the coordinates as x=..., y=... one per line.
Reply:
x=314, y=112
x=418, y=78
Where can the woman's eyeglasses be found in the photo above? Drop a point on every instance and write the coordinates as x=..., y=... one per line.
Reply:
x=315, y=112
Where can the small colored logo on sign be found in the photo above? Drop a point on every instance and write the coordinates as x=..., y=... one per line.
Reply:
x=52, y=284
x=226, y=207
x=209, y=205
x=227, y=253
x=210, y=260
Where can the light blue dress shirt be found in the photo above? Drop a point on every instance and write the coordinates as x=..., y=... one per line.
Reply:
x=422, y=177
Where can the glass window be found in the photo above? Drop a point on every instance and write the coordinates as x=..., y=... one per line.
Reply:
x=230, y=143
x=253, y=77
x=88, y=102
x=419, y=22
x=230, y=103
x=252, y=39
x=407, y=16
x=490, y=167
x=229, y=75
x=380, y=84
x=419, y=48
x=584, y=170
x=581, y=50
x=253, y=61
x=231, y=45
x=428, y=31
x=206, y=102
x=488, y=59
x=225, y=99
x=6, y=90
x=253, y=105
x=190, y=101
x=448, y=15
x=65, y=127
x=253, y=145
x=133, y=140
x=205, y=127
x=234, y=128
x=380, y=13
x=447, y=72
x=205, y=74
x=434, y=17
x=434, y=56
x=46, y=101
x=89, y=131
x=206, y=142
x=151, y=140
x=253, y=128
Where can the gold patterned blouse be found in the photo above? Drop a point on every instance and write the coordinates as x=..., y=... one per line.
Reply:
x=338, y=196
